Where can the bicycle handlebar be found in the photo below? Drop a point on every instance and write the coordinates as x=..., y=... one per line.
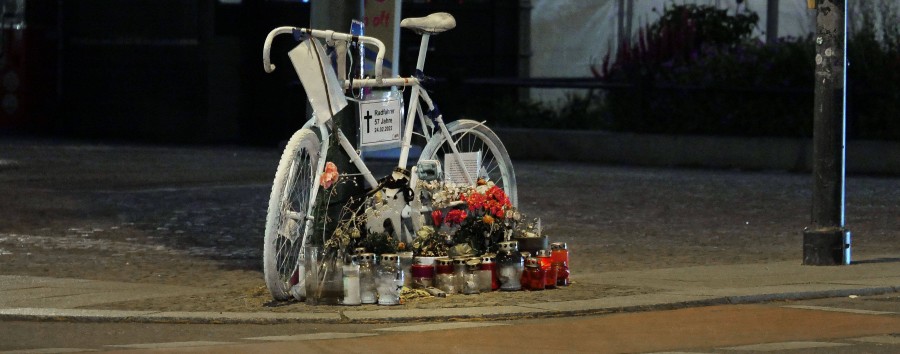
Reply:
x=328, y=35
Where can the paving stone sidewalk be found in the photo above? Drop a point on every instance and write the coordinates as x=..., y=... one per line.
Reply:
x=163, y=230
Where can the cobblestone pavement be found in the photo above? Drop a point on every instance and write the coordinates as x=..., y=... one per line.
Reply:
x=195, y=216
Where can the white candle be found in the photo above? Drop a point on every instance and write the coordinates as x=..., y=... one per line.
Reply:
x=351, y=291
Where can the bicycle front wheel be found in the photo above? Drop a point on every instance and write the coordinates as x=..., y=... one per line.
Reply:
x=470, y=136
x=289, y=211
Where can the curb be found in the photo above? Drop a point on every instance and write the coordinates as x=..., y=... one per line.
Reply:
x=752, y=153
x=496, y=313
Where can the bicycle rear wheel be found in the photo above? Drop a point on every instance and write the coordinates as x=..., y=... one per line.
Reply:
x=288, y=212
x=471, y=136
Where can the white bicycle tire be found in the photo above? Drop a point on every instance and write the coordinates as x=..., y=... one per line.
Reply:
x=295, y=173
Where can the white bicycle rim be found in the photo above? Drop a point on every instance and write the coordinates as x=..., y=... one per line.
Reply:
x=471, y=136
x=287, y=214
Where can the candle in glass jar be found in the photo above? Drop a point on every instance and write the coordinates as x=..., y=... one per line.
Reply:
x=534, y=276
x=444, y=278
x=390, y=280
x=460, y=271
x=406, y=261
x=367, y=275
x=560, y=254
x=351, y=285
x=546, y=264
x=470, y=278
x=487, y=264
x=510, y=266
x=422, y=275
x=443, y=265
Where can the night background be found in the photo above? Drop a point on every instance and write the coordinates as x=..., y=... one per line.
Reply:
x=188, y=71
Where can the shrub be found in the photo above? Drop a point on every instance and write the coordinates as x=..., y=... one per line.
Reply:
x=874, y=71
x=697, y=71
x=686, y=79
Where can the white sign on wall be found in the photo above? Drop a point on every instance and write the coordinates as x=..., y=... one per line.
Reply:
x=379, y=124
x=382, y=21
x=456, y=173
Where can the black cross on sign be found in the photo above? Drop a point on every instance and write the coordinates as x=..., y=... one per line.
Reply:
x=367, y=117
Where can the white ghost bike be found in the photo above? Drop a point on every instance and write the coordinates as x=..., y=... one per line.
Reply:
x=468, y=143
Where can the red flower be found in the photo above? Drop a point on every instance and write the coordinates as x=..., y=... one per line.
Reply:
x=499, y=195
x=476, y=201
x=455, y=216
x=437, y=217
x=498, y=212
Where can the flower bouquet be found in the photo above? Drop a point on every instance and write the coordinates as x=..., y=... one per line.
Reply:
x=466, y=220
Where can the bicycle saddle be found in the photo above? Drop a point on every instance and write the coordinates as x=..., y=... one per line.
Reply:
x=432, y=24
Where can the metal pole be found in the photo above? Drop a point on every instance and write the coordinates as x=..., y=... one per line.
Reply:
x=336, y=15
x=827, y=241
x=771, y=21
x=524, y=46
x=620, y=24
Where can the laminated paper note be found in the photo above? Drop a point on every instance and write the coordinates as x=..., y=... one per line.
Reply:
x=456, y=173
x=324, y=91
x=379, y=124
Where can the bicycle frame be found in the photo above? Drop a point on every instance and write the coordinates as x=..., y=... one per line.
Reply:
x=413, y=111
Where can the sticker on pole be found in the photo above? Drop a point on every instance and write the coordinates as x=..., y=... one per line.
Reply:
x=379, y=124
x=456, y=166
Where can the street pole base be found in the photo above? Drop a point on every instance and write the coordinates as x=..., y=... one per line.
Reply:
x=824, y=247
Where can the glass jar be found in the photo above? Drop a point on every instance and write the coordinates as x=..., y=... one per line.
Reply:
x=470, y=278
x=459, y=265
x=460, y=270
x=390, y=280
x=444, y=278
x=298, y=279
x=422, y=276
x=510, y=264
x=546, y=263
x=424, y=260
x=443, y=265
x=488, y=265
x=406, y=261
x=351, y=284
x=367, y=274
x=534, y=278
x=324, y=279
x=560, y=254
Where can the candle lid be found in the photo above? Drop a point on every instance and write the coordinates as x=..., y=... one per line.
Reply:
x=543, y=253
x=532, y=262
x=366, y=257
x=508, y=245
x=444, y=261
x=389, y=257
x=558, y=246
